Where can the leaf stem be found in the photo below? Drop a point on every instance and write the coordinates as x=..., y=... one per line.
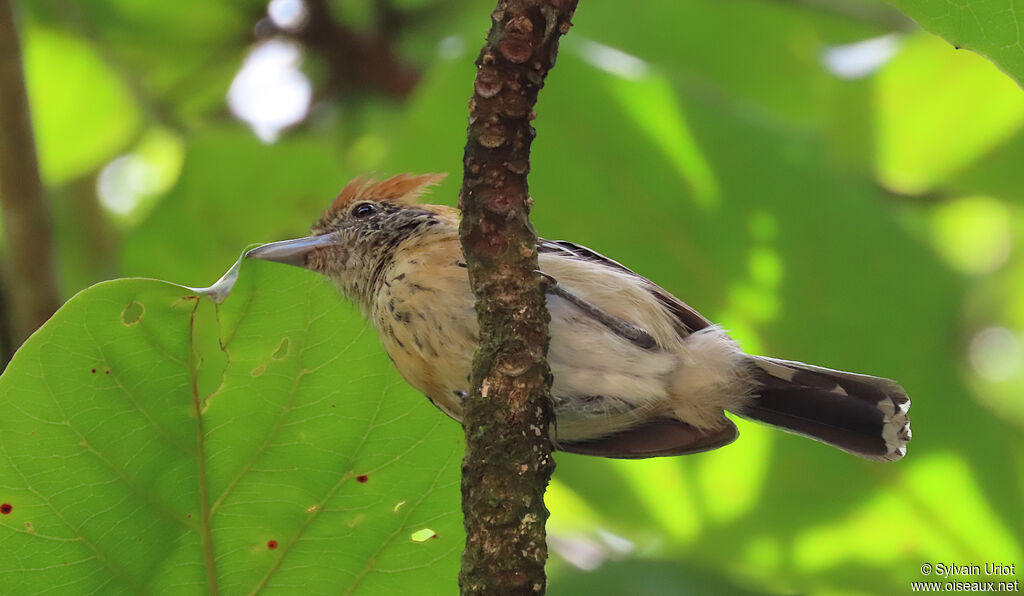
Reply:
x=209, y=560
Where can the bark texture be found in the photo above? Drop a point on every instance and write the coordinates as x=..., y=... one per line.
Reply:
x=31, y=281
x=508, y=460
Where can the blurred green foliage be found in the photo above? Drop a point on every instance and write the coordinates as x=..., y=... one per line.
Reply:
x=866, y=219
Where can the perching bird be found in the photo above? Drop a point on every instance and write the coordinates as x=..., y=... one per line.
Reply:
x=637, y=373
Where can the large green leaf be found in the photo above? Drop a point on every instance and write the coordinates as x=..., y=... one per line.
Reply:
x=153, y=441
x=991, y=28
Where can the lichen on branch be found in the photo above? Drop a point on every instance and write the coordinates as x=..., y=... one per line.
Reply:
x=508, y=460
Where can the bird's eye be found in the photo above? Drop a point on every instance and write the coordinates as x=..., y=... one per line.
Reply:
x=364, y=210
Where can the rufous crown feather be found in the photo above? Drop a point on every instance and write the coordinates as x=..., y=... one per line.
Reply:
x=402, y=188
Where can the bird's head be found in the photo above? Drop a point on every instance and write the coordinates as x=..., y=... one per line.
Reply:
x=356, y=238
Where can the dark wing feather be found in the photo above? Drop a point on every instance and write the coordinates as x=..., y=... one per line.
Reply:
x=655, y=438
x=689, y=319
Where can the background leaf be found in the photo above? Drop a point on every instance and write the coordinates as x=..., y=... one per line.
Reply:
x=78, y=97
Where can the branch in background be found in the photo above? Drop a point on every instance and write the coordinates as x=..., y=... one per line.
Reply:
x=355, y=60
x=31, y=281
x=7, y=347
x=508, y=460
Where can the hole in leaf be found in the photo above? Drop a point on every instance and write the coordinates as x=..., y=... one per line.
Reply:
x=282, y=349
x=271, y=544
x=132, y=313
x=362, y=478
x=398, y=506
x=423, y=535
x=6, y=508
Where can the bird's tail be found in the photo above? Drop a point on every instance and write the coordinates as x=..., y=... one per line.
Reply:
x=862, y=415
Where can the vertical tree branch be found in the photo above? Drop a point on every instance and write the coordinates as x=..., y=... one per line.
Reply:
x=31, y=280
x=508, y=452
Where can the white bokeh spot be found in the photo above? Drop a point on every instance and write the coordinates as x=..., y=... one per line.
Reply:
x=613, y=60
x=124, y=182
x=270, y=93
x=859, y=59
x=996, y=354
x=290, y=15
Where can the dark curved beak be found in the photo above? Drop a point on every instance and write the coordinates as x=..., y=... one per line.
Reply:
x=292, y=252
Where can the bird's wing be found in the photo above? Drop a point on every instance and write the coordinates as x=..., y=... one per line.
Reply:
x=689, y=319
x=655, y=438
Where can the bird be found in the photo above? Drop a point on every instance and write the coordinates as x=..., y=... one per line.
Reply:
x=637, y=373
